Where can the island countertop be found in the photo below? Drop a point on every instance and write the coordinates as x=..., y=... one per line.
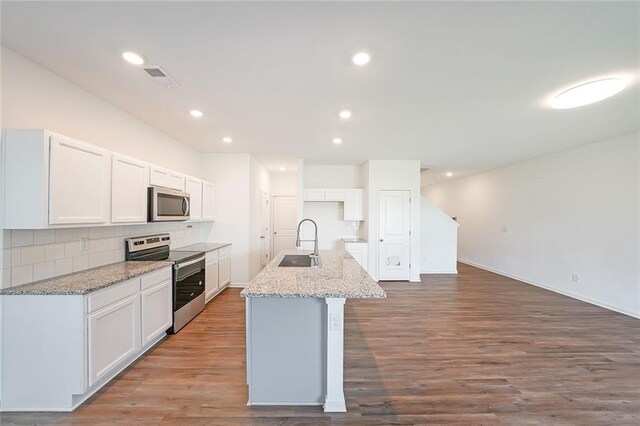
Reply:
x=339, y=275
x=87, y=281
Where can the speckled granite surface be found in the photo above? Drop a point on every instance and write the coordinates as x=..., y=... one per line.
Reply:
x=203, y=247
x=354, y=240
x=87, y=281
x=339, y=275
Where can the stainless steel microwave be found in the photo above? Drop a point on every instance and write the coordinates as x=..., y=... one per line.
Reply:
x=168, y=205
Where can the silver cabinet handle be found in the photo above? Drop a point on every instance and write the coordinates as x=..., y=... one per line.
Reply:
x=262, y=237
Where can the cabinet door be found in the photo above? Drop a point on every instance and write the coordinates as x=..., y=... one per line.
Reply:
x=208, y=201
x=113, y=336
x=166, y=178
x=128, y=190
x=194, y=188
x=78, y=183
x=211, y=279
x=157, y=311
x=224, y=271
x=334, y=194
x=314, y=195
x=353, y=204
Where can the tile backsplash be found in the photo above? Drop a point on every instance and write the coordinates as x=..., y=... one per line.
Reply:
x=32, y=255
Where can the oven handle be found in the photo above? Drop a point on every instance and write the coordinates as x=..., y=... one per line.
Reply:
x=191, y=262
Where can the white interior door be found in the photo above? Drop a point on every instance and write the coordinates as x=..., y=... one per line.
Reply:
x=285, y=223
x=264, y=231
x=394, y=235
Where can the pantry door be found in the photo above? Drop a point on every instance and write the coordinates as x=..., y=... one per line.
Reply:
x=394, y=235
x=285, y=217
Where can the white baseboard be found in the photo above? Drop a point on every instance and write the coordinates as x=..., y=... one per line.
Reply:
x=455, y=271
x=237, y=285
x=555, y=290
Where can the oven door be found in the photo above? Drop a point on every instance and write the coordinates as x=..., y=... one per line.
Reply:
x=189, y=282
x=168, y=205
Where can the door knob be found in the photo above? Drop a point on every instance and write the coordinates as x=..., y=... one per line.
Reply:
x=381, y=240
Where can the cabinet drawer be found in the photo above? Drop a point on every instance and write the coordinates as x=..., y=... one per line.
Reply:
x=111, y=295
x=212, y=256
x=153, y=278
x=225, y=251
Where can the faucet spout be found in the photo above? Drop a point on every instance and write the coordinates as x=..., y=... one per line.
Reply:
x=315, y=240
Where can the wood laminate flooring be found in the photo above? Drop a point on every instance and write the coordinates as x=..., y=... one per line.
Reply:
x=476, y=348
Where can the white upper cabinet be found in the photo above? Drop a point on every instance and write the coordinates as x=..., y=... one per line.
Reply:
x=354, y=204
x=208, y=201
x=128, y=190
x=78, y=182
x=335, y=194
x=314, y=195
x=166, y=178
x=193, y=186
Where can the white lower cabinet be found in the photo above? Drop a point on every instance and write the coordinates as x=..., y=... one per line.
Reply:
x=157, y=312
x=60, y=349
x=211, y=282
x=114, y=335
x=360, y=252
x=224, y=265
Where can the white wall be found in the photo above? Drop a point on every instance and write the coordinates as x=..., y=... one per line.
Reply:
x=34, y=97
x=393, y=175
x=259, y=181
x=284, y=184
x=333, y=176
x=231, y=174
x=542, y=220
x=438, y=241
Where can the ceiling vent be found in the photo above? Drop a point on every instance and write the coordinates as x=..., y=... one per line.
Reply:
x=160, y=76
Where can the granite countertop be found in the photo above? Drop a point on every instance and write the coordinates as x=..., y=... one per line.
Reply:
x=87, y=281
x=339, y=275
x=203, y=247
x=353, y=240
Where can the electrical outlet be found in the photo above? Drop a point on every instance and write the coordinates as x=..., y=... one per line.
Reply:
x=335, y=322
x=84, y=244
x=575, y=278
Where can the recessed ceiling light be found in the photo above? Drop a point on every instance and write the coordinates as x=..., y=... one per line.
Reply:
x=361, y=58
x=345, y=113
x=134, y=58
x=227, y=139
x=282, y=169
x=196, y=113
x=449, y=174
x=337, y=141
x=588, y=93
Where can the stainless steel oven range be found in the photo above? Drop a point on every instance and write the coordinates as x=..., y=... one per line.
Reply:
x=188, y=274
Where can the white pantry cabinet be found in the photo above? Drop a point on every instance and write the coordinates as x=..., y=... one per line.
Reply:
x=60, y=349
x=129, y=181
x=208, y=201
x=78, y=182
x=166, y=178
x=193, y=187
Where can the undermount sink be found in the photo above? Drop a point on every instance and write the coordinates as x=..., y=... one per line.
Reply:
x=296, y=260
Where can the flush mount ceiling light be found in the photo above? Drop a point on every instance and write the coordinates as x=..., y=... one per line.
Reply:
x=134, y=58
x=588, y=93
x=345, y=114
x=227, y=139
x=449, y=174
x=196, y=113
x=361, y=58
x=282, y=169
x=337, y=141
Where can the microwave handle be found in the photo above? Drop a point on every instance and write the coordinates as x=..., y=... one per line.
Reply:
x=185, y=206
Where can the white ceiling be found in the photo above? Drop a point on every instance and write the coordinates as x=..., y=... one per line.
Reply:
x=459, y=86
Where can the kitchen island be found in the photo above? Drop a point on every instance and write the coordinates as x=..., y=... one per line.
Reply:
x=295, y=329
